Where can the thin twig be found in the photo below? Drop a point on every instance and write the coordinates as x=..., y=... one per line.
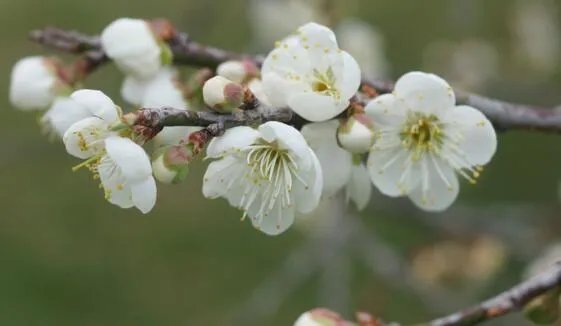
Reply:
x=507, y=302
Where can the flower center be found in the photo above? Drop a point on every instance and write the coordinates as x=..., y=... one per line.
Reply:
x=324, y=83
x=271, y=172
x=421, y=134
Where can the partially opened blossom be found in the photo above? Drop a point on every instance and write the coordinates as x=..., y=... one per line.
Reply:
x=425, y=140
x=310, y=74
x=134, y=47
x=34, y=83
x=341, y=169
x=269, y=173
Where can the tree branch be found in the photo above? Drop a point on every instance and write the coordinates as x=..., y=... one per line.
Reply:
x=504, y=115
x=505, y=303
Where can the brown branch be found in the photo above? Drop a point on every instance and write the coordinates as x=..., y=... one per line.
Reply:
x=505, y=303
x=504, y=115
x=157, y=118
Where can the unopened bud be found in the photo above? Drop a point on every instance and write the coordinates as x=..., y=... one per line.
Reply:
x=238, y=71
x=171, y=164
x=319, y=317
x=356, y=134
x=222, y=95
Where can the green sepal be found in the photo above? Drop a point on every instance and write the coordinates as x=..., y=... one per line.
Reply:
x=181, y=174
x=166, y=56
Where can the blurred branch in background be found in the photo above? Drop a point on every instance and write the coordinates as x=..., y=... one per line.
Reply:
x=504, y=115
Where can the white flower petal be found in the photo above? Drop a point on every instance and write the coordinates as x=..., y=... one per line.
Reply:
x=278, y=89
x=316, y=107
x=424, y=92
x=478, y=139
x=85, y=137
x=307, y=197
x=442, y=187
x=144, y=194
x=288, y=138
x=335, y=162
x=133, y=89
x=117, y=190
x=351, y=76
x=276, y=222
x=232, y=141
x=64, y=113
x=129, y=157
x=31, y=83
x=320, y=41
x=99, y=104
x=386, y=169
x=218, y=174
x=164, y=90
x=359, y=187
x=256, y=87
x=386, y=111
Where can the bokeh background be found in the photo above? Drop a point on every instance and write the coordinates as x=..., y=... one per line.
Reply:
x=69, y=258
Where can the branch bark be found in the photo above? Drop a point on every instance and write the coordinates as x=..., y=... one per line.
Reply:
x=504, y=115
x=505, y=303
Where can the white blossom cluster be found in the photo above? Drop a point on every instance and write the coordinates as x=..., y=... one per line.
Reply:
x=414, y=142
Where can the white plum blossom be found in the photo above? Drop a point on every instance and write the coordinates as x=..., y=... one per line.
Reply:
x=34, y=83
x=133, y=46
x=269, y=173
x=85, y=137
x=424, y=139
x=310, y=74
x=341, y=169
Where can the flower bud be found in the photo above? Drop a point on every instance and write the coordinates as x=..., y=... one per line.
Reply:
x=134, y=47
x=356, y=134
x=222, y=95
x=238, y=71
x=171, y=164
x=319, y=317
x=34, y=83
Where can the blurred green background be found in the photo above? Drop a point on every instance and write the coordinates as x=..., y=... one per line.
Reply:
x=69, y=258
